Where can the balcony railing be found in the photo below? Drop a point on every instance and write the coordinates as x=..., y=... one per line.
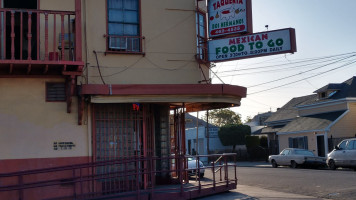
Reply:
x=132, y=178
x=41, y=38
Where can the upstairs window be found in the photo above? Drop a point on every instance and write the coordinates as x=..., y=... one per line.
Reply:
x=124, y=26
x=201, y=36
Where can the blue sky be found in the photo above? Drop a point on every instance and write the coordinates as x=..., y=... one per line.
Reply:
x=324, y=28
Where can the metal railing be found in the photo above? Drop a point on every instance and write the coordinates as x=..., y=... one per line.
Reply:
x=38, y=35
x=131, y=177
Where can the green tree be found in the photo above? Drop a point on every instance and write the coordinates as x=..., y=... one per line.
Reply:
x=234, y=134
x=223, y=117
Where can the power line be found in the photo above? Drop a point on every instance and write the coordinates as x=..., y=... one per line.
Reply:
x=301, y=72
x=351, y=62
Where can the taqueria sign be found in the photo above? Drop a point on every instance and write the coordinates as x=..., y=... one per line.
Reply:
x=253, y=45
x=229, y=17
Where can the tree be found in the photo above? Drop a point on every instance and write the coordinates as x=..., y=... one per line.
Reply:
x=234, y=134
x=248, y=119
x=222, y=117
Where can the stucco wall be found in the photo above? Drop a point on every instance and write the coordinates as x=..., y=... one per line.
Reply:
x=169, y=45
x=312, y=142
x=29, y=125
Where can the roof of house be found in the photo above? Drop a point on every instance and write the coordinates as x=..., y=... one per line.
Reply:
x=311, y=122
x=289, y=110
x=343, y=90
x=191, y=122
x=268, y=129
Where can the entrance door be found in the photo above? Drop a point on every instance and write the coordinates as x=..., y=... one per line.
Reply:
x=21, y=29
x=321, y=145
x=123, y=134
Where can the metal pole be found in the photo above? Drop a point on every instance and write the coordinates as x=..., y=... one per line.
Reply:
x=196, y=146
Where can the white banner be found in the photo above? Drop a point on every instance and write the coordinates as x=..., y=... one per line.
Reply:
x=253, y=45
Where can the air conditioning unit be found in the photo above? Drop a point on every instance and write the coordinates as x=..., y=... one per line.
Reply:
x=117, y=43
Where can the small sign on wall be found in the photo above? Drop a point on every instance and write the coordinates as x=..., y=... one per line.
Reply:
x=63, y=146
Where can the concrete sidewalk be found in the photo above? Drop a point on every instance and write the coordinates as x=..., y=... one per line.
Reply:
x=244, y=192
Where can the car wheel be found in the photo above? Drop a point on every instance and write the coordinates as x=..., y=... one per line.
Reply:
x=274, y=164
x=201, y=175
x=293, y=164
x=332, y=164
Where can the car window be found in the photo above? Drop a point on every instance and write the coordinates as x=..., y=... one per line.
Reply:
x=351, y=145
x=304, y=152
x=342, y=145
x=285, y=152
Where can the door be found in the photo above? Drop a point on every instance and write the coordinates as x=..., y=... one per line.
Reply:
x=321, y=145
x=21, y=29
x=350, y=154
x=122, y=133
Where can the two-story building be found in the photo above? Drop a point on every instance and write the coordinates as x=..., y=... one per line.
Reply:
x=87, y=88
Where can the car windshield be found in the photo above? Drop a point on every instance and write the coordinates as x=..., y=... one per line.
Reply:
x=304, y=152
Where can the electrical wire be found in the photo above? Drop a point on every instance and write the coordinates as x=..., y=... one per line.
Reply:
x=344, y=65
x=97, y=62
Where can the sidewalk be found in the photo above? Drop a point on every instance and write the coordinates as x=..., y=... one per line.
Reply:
x=244, y=192
x=253, y=164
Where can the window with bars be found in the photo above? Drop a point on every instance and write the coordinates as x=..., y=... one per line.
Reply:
x=124, y=26
x=298, y=142
x=55, y=92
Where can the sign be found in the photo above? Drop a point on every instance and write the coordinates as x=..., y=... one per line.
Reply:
x=229, y=17
x=213, y=132
x=63, y=145
x=252, y=45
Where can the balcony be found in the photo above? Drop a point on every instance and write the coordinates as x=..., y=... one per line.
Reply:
x=40, y=43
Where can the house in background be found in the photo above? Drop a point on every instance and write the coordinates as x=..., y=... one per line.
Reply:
x=279, y=119
x=207, y=144
x=87, y=88
x=320, y=121
x=257, y=123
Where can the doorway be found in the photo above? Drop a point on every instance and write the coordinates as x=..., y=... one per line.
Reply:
x=21, y=29
x=321, y=145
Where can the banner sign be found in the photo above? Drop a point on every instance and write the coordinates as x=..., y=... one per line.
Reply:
x=229, y=17
x=253, y=45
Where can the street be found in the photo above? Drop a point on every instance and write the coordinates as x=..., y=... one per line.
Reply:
x=321, y=183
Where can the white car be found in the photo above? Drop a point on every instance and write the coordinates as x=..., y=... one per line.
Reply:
x=192, y=166
x=294, y=157
x=344, y=155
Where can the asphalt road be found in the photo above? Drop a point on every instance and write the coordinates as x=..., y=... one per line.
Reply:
x=329, y=184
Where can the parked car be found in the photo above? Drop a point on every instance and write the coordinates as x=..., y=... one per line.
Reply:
x=344, y=155
x=294, y=157
x=192, y=166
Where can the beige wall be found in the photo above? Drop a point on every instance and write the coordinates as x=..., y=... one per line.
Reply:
x=346, y=127
x=29, y=125
x=169, y=45
x=323, y=109
x=312, y=143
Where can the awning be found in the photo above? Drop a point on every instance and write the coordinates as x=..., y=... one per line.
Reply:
x=195, y=96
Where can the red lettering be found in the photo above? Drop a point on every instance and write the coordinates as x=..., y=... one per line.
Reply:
x=264, y=36
x=232, y=41
x=258, y=38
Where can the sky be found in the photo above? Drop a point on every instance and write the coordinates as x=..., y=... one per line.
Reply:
x=326, y=43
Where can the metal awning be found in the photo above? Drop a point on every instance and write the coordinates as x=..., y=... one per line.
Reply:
x=195, y=96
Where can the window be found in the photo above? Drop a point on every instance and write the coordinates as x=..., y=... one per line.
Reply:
x=342, y=145
x=298, y=142
x=124, y=26
x=351, y=145
x=201, y=36
x=55, y=92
